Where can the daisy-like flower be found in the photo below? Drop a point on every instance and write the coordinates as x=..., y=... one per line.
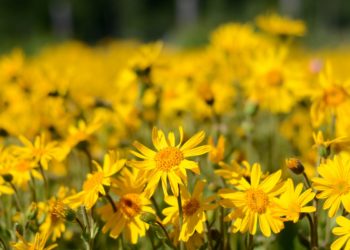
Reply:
x=324, y=146
x=293, y=202
x=132, y=203
x=169, y=160
x=56, y=211
x=38, y=243
x=334, y=183
x=193, y=210
x=332, y=97
x=41, y=152
x=344, y=232
x=255, y=202
x=96, y=182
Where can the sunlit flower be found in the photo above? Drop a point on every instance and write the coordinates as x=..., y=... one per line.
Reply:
x=96, y=182
x=234, y=172
x=193, y=210
x=293, y=202
x=169, y=161
x=343, y=230
x=334, y=183
x=255, y=202
x=132, y=203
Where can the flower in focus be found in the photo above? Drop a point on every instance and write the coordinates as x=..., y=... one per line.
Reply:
x=193, y=210
x=343, y=230
x=132, y=203
x=96, y=182
x=255, y=203
x=169, y=161
x=334, y=183
x=293, y=202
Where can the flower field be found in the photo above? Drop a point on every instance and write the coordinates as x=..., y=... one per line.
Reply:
x=239, y=144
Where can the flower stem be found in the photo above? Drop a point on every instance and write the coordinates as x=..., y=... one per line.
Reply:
x=250, y=243
x=210, y=242
x=179, y=202
x=307, y=180
x=110, y=200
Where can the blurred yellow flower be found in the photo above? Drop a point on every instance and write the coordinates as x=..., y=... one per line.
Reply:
x=38, y=243
x=343, y=230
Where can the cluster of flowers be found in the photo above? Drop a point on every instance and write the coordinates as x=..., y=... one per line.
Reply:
x=77, y=124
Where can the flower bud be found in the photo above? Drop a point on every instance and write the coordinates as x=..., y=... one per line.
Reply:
x=148, y=218
x=295, y=165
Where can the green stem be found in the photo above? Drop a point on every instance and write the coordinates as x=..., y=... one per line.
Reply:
x=3, y=244
x=179, y=203
x=110, y=200
x=250, y=243
x=307, y=180
x=45, y=181
x=210, y=241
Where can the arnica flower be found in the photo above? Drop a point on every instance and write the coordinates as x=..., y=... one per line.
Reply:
x=279, y=25
x=324, y=146
x=343, y=230
x=132, y=203
x=334, y=183
x=293, y=202
x=193, y=210
x=169, y=160
x=57, y=209
x=255, y=202
x=331, y=98
x=96, y=182
x=41, y=151
x=38, y=243
x=217, y=152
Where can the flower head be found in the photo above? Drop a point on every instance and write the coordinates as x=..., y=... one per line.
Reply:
x=169, y=160
x=343, y=230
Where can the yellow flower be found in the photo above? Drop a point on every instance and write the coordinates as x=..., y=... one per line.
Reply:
x=217, y=153
x=255, y=202
x=38, y=243
x=96, y=182
x=339, y=143
x=334, y=183
x=132, y=203
x=41, y=151
x=292, y=202
x=193, y=210
x=278, y=25
x=169, y=161
x=234, y=172
x=330, y=98
x=57, y=209
x=343, y=230
x=274, y=83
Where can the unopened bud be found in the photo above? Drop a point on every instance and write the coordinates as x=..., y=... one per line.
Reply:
x=70, y=215
x=295, y=165
x=148, y=218
x=7, y=177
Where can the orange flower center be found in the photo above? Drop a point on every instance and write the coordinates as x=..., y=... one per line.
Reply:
x=342, y=187
x=168, y=158
x=334, y=96
x=257, y=200
x=274, y=78
x=130, y=205
x=191, y=207
x=94, y=181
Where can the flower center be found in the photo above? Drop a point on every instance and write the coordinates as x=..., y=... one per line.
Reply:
x=342, y=187
x=274, y=78
x=334, y=96
x=257, y=200
x=57, y=211
x=190, y=207
x=130, y=205
x=168, y=158
x=94, y=181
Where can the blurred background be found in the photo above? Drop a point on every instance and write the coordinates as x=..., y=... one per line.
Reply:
x=33, y=23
